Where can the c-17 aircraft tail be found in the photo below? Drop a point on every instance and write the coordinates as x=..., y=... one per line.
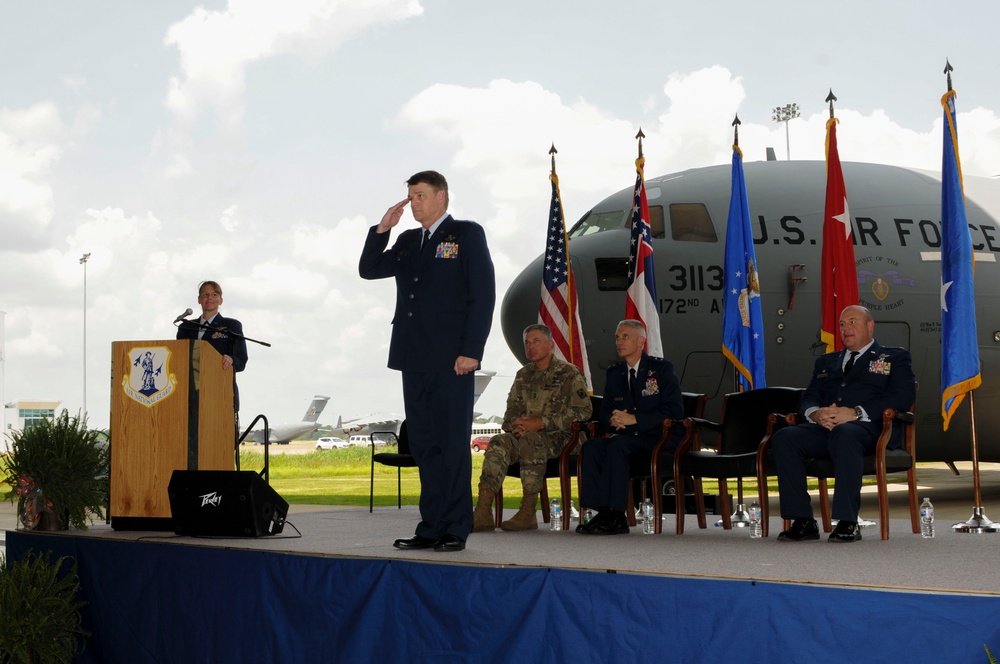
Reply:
x=282, y=434
x=315, y=408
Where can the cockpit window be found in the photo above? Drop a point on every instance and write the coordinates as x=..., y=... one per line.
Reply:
x=690, y=222
x=595, y=222
x=656, y=221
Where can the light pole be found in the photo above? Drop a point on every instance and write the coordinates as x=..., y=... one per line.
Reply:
x=784, y=114
x=83, y=262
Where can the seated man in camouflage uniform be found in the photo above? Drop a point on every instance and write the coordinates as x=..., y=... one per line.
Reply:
x=547, y=396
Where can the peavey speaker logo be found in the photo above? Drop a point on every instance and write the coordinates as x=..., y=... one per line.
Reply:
x=211, y=499
x=149, y=380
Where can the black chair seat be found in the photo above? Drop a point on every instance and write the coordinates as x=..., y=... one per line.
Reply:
x=708, y=464
x=896, y=461
x=395, y=460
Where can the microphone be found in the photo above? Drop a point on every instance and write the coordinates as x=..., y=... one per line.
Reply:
x=187, y=312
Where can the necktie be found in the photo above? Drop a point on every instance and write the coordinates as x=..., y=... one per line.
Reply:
x=850, y=362
x=631, y=381
x=425, y=240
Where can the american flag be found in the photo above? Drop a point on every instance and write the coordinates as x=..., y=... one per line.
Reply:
x=640, y=299
x=558, y=308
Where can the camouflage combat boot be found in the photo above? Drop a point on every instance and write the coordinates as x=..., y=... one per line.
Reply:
x=525, y=518
x=482, y=517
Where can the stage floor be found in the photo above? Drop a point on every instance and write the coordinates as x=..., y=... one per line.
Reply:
x=950, y=562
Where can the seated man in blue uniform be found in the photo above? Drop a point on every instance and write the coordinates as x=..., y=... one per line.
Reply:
x=843, y=407
x=639, y=393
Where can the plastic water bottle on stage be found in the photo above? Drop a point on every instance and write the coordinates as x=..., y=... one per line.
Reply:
x=648, y=517
x=555, y=515
x=753, y=513
x=926, y=518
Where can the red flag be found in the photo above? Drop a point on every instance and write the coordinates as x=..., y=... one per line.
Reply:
x=558, y=308
x=839, y=274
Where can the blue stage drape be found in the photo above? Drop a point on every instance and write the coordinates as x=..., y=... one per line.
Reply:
x=163, y=602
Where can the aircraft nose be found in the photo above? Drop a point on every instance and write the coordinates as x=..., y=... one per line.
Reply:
x=520, y=306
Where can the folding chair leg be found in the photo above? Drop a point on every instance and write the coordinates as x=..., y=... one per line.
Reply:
x=371, y=491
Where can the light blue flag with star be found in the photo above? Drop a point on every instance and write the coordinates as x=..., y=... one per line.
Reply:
x=959, y=348
x=742, y=321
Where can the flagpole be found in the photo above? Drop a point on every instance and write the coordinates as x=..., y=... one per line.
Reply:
x=737, y=385
x=978, y=522
x=740, y=518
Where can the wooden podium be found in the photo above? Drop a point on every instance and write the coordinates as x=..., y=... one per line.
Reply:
x=171, y=409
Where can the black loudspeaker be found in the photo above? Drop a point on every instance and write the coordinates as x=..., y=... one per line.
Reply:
x=225, y=503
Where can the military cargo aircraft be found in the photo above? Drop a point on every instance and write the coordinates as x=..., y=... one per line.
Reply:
x=282, y=434
x=895, y=213
x=384, y=423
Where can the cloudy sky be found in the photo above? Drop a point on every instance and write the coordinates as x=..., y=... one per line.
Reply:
x=253, y=142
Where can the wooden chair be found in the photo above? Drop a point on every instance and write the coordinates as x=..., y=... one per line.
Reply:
x=694, y=407
x=765, y=466
x=880, y=463
x=565, y=467
x=399, y=459
x=640, y=467
x=743, y=424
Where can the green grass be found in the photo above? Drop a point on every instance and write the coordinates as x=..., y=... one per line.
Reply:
x=342, y=477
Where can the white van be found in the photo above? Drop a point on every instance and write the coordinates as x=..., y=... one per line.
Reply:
x=358, y=440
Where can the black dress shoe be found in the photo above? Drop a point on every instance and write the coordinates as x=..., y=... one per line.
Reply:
x=846, y=531
x=415, y=542
x=450, y=543
x=615, y=524
x=589, y=527
x=801, y=530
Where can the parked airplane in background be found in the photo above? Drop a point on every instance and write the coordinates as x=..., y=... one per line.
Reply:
x=282, y=434
x=367, y=424
x=377, y=422
x=895, y=213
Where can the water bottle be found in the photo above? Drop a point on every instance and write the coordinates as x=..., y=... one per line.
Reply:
x=926, y=519
x=753, y=513
x=648, y=517
x=555, y=515
x=588, y=514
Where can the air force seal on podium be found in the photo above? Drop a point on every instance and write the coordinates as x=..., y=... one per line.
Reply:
x=149, y=380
